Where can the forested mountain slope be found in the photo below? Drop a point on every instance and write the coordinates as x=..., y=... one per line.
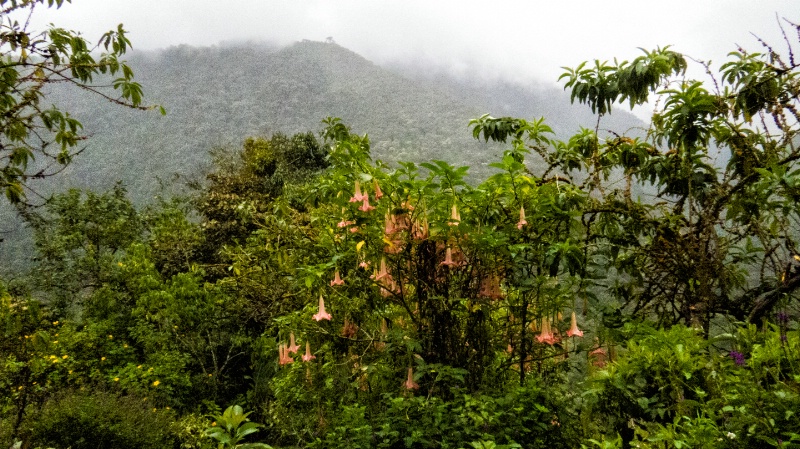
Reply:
x=218, y=96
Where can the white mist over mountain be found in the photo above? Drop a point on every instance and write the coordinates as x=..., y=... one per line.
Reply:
x=515, y=40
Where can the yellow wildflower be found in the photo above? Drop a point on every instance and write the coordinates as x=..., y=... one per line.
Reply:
x=116, y=379
x=155, y=384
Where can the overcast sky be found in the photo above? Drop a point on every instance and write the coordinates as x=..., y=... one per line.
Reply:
x=521, y=40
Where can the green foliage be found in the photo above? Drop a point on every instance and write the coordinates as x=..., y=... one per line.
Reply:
x=708, y=225
x=604, y=84
x=83, y=420
x=232, y=427
x=536, y=308
x=524, y=417
x=78, y=237
x=674, y=389
x=30, y=61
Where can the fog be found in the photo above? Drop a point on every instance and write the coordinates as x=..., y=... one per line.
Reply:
x=516, y=40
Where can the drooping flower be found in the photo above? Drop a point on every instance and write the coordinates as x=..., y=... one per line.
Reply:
x=283, y=355
x=390, y=228
x=365, y=207
x=337, y=280
x=378, y=193
x=409, y=383
x=522, y=222
x=546, y=336
x=599, y=357
x=419, y=231
x=573, y=329
x=292, y=348
x=344, y=223
x=322, y=314
x=490, y=288
x=455, y=217
x=448, y=258
x=357, y=196
x=308, y=356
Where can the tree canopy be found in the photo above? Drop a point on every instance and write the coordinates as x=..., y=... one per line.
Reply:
x=604, y=289
x=37, y=140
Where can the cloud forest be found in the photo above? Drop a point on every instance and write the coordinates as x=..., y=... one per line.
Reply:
x=603, y=286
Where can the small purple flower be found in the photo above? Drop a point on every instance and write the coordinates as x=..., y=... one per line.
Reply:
x=783, y=318
x=783, y=338
x=738, y=357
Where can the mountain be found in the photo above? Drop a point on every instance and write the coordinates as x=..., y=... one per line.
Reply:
x=218, y=96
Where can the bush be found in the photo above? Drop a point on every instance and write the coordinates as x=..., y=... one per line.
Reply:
x=90, y=420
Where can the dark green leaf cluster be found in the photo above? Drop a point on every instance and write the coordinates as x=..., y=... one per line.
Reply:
x=31, y=60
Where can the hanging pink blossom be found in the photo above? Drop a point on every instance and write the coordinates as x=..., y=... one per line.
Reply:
x=448, y=258
x=390, y=228
x=365, y=207
x=337, y=280
x=378, y=193
x=419, y=231
x=283, y=355
x=522, y=222
x=546, y=336
x=322, y=314
x=308, y=356
x=490, y=288
x=357, y=196
x=455, y=217
x=409, y=383
x=573, y=330
x=292, y=348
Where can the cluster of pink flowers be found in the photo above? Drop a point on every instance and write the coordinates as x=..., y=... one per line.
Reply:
x=548, y=336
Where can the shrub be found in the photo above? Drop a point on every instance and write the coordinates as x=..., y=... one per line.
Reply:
x=88, y=420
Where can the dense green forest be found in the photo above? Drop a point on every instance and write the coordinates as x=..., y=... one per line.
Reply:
x=307, y=290
x=217, y=97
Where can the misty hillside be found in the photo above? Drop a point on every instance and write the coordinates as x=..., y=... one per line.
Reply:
x=218, y=96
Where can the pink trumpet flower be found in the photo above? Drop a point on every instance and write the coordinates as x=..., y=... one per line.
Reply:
x=455, y=217
x=420, y=231
x=573, y=330
x=337, y=280
x=378, y=193
x=308, y=356
x=365, y=207
x=292, y=345
x=546, y=336
x=490, y=288
x=357, y=196
x=391, y=225
x=322, y=314
x=409, y=383
x=283, y=355
x=522, y=222
x=448, y=258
